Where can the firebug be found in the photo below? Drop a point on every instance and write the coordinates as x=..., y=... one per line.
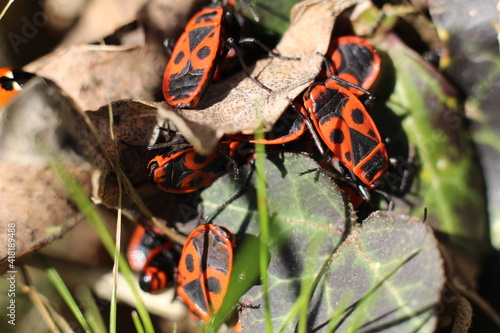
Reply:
x=155, y=257
x=204, y=270
x=354, y=60
x=186, y=171
x=347, y=129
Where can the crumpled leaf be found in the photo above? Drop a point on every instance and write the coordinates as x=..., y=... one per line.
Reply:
x=469, y=32
x=93, y=75
x=134, y=126
x=450, y=185
x=238, y=104
x=391, y=257
x=135, y=129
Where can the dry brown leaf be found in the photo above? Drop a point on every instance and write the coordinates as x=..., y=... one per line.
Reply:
x=164, y=19
x=135, y=128
x=100, y=18
x=94, y=75
x=41, y=123
x=32, y=195
x=36, y=204
x=238, y=104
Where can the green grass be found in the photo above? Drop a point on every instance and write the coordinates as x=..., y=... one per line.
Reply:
x=84, y=204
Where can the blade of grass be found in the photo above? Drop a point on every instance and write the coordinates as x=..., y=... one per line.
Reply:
x=84, y=204
x=36, y=298
x=55, y=322
x=6, y=8
x=309, y=282
x=262, y=208
x=91, y=310
x=137, y=322
x=118, y=236
x=60, y=286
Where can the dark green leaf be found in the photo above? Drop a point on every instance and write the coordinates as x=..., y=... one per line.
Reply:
x=309, y=217
x=387, y=275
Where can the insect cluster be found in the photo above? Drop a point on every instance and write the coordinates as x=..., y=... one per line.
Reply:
x=331, y=112
x=312, y=183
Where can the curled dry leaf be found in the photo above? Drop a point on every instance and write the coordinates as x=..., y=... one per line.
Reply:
x=134, y=127
x=239, y=105
x=94, y=75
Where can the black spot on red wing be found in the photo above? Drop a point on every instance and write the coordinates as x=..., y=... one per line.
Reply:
x=184, y=83
x=196, y=36
x=189, y=261
x=195, y=292
x=179, y=57
x=328, y=104
x=200, y=159
x=214, y=286
x=203, y=52
x=198, y=245
x=168, y=175
x=289, y=125
x=337, y=136
x=211, y=35
x=347, y=156
x=357, y=116
x=7, y=83
x=374, y=165
x=356, y=60
x=207, y=17
x=362, y=145
x=195, y=182
x=370, y=133
x=220, y=261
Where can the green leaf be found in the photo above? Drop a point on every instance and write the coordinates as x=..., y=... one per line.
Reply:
x=301, y=208
x=386, y=273
x=274, y=16
x=295, y=202
x=471, y=59
x=449, y=178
